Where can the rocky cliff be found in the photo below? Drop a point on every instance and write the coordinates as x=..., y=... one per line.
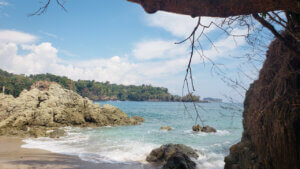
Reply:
x=48, y=106
x=271, y=117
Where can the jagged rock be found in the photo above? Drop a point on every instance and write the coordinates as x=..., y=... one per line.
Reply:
x=138, y=118
x=197, y=127
x=48, y=105
x=206, y=129
x=57, y=133
x=164, y=152
x=168, y=128
x=179, y=161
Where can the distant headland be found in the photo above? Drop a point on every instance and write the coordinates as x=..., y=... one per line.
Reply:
x=14, y=84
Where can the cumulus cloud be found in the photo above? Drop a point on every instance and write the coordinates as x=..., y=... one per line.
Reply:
x=3, y=3
x=16, y=37
x=42, y=58
x=223, y=47
x=19, y=53
x=156, y=62
x=158, y=49
x=178, y=25
x=39, y=59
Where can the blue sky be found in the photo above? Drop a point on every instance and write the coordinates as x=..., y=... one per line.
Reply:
x=113, y=41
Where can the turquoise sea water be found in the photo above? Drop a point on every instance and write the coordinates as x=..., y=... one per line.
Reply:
x=131, y=144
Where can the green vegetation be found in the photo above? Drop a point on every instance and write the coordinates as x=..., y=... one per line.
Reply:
x=14, y=84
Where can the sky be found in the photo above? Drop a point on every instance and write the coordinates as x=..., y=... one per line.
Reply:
x=116, y=41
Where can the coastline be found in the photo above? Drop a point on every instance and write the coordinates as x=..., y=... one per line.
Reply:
x=13, y=156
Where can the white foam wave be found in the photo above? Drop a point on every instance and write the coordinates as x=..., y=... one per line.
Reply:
x=210, y=161
x=218, y=133
x=106, y=150
x=100, y=149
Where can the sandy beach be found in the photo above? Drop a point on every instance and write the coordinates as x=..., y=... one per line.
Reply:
x=12, y=156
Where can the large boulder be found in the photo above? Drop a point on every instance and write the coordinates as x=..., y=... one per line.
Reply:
x=47, y=105
x=165, y=152
x=179, y=161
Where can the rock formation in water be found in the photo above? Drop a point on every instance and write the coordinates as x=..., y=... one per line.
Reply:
x=271, y=115
x=206, y=129
x=179, y=161
x=166, y=151
x=168, y=128
x=49, y=106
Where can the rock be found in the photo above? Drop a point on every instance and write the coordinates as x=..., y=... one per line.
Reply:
x=206, y=129
x=138, y=119
x=168, y=128
x=179, y=161
x=38, y=132
x=197, y=127
x=57, y=133
x=164, y=152
x=48, y=105
x=271, y=117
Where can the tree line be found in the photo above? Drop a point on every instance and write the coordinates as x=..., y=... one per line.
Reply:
x=98, y=91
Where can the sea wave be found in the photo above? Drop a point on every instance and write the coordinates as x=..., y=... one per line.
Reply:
x=91, y=145
x=210, y=161
x=78, y=143
x=218, y=133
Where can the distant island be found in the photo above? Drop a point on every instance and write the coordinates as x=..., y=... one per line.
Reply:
x=14, y=84
x=211, y=99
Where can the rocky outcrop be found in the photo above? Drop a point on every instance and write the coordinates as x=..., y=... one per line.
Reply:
x=49, y=106
x=206, y=129
x=179, y=161
x=165, y=152
x=271, y=117
x=168, y=128
x=197, y=128
x=138, y=118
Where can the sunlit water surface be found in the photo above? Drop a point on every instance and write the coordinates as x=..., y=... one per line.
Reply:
x=131, y=144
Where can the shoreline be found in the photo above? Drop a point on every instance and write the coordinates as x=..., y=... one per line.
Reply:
x=13, y=156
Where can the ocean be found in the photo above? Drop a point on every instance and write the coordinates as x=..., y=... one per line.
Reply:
x=131, y=144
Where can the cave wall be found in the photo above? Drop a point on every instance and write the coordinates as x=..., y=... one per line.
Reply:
x=271, y=117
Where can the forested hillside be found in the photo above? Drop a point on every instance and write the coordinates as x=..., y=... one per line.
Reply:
x=100, y=91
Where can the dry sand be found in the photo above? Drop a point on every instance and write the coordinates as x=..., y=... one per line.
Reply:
x=12, y=156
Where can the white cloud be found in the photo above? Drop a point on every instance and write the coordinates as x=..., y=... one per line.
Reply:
x=156, y=62
x=40, y=59
x=16, y=37
x=3, y=3
x=159, y=49
x=178, y=25
x=43, y=58
x=31, y=58
x=223, y=47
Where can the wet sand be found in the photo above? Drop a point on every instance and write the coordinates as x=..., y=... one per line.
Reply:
x=12, y=156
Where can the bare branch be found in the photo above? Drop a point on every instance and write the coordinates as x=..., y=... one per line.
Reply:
x=45, y=6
